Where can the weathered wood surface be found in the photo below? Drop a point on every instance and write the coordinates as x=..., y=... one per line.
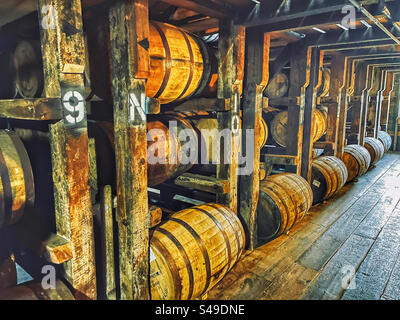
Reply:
x=279, y=127
x=257, y=66
x=185, y=261
x=337, y=95
x=231, y=55
x=312, y=260
x=328, y=176
x=32, y=109
x=360, y=78
x=64, y=63
x=58, y=249
x=203, y=183
x=128, y=27
x=105, y=253
x=155, y=216
x=17, y=190
x=357, y=160
x=284, y=200
x=375, y=148
x=386, y=100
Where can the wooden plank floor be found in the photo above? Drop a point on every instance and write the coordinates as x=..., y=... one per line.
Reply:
x=346, y=248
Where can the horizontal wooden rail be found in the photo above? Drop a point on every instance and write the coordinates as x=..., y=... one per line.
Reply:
x=32, y=109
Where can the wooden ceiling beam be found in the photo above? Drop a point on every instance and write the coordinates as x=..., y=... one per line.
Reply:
x=267, y=13
x=206, y=7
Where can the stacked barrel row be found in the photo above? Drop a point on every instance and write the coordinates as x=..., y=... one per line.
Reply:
x=359, y=159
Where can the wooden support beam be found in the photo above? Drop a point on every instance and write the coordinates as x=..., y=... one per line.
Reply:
x=337, y=95
x=343, y=105
x=106, y=274
x=360, y=79
x=299, y=81
x=64, y=62
x=231, y=47
x=206, y=7
x=386, y=101
x=203, y=183
x=32, y=109
x=57, y=249
x=373, y=104
x=316, y=58
x=257, y=67
x=366, y=101
x=129, y=29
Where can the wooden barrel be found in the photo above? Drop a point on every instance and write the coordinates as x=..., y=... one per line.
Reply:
x=193, y=250
x=208, y=138
x=27, y=59
x=357, y=160
x=280, y=121
x=165, y=149
x=181, y=64
x=284, y=199
x=35, y=291
x=278, y=86
x=329, y=174
x=375, y=149
x=16, y=179
x=386, y=140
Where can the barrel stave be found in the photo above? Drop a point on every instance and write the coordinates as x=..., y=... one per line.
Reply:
x=193, y=250
x=375, y=149
x=283, y=201
x=329, y=174
x=357, y=160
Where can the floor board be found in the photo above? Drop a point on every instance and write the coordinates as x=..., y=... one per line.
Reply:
x=345, y=248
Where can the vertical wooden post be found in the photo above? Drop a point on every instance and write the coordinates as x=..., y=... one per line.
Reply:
x=379, y=101
x=394, y=111
x=257, y=67
x=360, y=79
x=387, y=96
x=373, y=104
x=300, y=63
x=64, y=62
x=343, y=103
x=129, y=32
x=314, y=69
x=338, y=76
x=230, y=83
x=365, y=104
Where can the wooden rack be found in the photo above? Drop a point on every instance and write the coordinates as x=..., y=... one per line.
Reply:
x=362, y=89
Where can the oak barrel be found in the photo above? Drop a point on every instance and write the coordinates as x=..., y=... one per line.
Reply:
x=375, y=149
x=210, y=137
x=278, y=86
x=193, y=250
x=280, y=122
x=35, y=291
x=357, y=160
x=27, y=61
x=386, y=140
x=181, y=64
x=16, y=179
x=328, y=175
x=284, y=199
x=165, y=149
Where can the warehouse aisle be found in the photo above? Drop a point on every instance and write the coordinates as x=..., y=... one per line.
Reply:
x=355, y=233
